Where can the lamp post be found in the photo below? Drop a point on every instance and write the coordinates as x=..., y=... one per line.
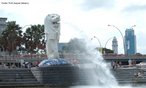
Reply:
x=133, y=26
x=121, y=35
x=99, y=43
x=25, y=26
x=107, y=42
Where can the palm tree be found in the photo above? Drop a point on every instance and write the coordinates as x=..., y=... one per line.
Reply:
x=11, y=37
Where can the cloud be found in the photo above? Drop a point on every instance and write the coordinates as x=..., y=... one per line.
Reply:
x=134, y=8
x=93, y=4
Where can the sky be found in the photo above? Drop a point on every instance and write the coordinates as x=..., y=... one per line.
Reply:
x=84, y=17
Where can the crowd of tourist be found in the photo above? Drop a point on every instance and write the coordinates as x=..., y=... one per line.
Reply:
x=117, y=64
x=18, y=65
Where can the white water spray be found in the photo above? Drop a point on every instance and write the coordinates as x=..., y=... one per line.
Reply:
x=97, y=71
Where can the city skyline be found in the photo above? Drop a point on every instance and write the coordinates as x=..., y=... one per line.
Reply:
x=90, y=17
x=130, y=42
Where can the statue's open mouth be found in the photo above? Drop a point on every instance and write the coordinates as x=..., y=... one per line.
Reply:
x=58, y=22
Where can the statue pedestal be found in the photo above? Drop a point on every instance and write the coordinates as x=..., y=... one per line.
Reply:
x=56, y=75
x=53, y=62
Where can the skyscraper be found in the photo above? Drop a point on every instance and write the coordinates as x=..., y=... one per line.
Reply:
x=2, y=24
x=130, y=42
x=115, y=45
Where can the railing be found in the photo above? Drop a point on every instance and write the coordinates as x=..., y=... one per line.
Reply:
x=18, y=58
x=39, y=57
x=124, y=56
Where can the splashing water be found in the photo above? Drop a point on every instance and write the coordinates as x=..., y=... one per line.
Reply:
x=97, y=71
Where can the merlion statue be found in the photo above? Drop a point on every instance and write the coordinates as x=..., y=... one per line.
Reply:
x=52, y=31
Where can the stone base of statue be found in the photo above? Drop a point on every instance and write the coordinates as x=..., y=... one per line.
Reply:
x=56, y=72
x=59, y=72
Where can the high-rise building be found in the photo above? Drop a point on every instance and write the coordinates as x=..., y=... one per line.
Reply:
x=115, y=45
x=2, y=24
x=130, y=42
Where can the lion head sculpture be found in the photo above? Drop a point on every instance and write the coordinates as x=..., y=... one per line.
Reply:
x=53, y=20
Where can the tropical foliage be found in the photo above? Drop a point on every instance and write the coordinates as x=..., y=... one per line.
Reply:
x=34, y=38
x=11, y=37
x=14, y=41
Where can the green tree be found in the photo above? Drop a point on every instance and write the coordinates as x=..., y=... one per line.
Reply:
x=34, y=38
x=11, y=37
x=107, y=51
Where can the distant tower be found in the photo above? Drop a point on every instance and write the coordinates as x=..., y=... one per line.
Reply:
x=115, y=45
x=130, y=42
x=2, y=24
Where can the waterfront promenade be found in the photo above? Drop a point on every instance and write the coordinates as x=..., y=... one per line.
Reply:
x=114, y=57
x=40, y=57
